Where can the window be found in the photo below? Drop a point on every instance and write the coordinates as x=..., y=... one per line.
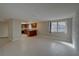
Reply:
x=58, y=26
x=61, y=26
x=54, y=27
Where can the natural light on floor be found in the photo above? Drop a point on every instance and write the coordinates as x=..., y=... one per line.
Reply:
x=68, y=44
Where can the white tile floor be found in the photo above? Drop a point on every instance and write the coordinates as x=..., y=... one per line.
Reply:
x=37, y=46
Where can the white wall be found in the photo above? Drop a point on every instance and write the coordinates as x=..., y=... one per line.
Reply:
x=14, y=29
x=43, y=29
x=75, y=30
x=69, y=30
x=3, y=29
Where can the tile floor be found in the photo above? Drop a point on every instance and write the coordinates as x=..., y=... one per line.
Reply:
x=37, y=46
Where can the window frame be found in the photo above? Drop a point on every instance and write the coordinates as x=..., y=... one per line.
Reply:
x=57, y=26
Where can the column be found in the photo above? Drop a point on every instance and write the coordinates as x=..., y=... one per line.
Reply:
x=75, y=30
x=14, y=29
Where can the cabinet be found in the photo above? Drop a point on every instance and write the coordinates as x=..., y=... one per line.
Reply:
x=32, y=33
x=29, y=29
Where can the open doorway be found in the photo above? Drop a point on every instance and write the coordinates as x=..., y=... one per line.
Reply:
x=29, y=29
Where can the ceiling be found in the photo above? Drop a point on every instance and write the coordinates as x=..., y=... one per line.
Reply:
x=37, y=11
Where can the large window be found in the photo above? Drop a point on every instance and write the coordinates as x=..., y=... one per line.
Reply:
x=54, y=27
x=61, y=26
x=58, y=26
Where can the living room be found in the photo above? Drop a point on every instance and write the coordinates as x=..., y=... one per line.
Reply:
x=38, y=29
